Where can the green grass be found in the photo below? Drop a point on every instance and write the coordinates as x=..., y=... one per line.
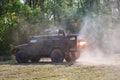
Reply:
x=49, y=71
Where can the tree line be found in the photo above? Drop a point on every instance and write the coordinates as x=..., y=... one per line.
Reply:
x=20, y=20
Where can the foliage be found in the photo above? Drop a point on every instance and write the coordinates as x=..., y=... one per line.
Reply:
x=8, y=21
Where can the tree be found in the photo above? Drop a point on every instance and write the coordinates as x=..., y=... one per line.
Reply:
x=8, y=21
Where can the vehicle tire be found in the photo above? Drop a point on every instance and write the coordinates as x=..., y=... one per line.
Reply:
x=35, y=60
x=20, y=57
x=70, y=57
x=77, y=55
x=57, y=56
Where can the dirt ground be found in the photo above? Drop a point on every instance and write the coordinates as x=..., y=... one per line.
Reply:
x=45, y=70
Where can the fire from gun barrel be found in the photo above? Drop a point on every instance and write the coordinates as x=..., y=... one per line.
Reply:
x=82, y=44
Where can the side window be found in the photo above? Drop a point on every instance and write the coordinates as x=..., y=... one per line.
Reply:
x=33, y=41
x=72, y=38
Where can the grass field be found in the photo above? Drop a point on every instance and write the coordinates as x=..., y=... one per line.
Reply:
x=10, y=70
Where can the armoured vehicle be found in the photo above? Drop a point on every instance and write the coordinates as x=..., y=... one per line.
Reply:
x=55, y=46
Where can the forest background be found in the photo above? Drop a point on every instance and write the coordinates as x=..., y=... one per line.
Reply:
x=20, y=19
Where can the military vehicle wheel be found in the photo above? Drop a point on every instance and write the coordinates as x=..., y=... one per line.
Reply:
x=70, y=57
x=77, y=55
x=20, y=57
x=57, y=56
x=34, y=60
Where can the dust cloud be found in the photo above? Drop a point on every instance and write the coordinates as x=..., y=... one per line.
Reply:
x=102, y=34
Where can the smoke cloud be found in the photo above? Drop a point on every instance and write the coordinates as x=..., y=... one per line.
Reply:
x=102, y=35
